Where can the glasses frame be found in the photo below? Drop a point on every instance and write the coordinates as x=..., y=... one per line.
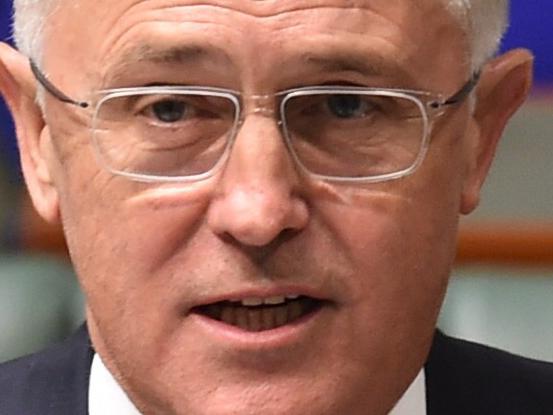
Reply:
x=430, y=104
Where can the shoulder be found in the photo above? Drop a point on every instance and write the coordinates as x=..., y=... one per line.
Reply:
x=54, y=381
x=465, y=377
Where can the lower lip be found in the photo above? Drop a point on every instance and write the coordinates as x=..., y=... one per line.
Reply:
x=279, y=337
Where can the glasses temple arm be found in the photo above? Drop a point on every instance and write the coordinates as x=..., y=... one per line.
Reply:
x=464, y=91
x=52, y=89
x=459, y=95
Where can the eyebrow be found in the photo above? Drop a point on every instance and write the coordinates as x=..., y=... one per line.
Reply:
x=367, y=65
x=177, y=55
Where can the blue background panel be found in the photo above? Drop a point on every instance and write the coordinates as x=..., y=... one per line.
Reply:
x=532, y=27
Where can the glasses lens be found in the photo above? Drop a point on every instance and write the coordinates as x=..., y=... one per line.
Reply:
x=163, y=135
x=355, y=135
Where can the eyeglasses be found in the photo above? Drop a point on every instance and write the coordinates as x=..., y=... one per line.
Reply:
x=335, y=133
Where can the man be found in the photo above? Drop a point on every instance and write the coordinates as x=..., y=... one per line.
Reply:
x=261, y=200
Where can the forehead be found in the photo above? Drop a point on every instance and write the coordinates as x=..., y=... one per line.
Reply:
x=391, y=32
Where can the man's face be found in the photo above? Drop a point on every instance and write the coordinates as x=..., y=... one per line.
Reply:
x=375, y=257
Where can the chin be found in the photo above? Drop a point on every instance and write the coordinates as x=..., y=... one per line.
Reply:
x=317, y=393
x=266, y=402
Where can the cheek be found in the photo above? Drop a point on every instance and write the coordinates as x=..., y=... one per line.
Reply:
x=402, y=245
x=119, y=235
x=399, y=243
x=120, y=249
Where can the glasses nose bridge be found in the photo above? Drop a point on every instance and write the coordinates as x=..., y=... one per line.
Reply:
x=264, y=105
x=259, y=105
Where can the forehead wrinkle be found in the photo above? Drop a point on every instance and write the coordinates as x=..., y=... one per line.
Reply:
x=255, y=8
x=179, y=11
x=279, y=8
x=185, y=54
x=173, y=9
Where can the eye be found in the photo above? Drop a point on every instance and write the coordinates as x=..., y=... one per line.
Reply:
x=348, y=106
x=169, y=110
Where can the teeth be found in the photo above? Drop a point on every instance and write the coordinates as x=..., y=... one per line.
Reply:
x=256, y=301
x=257, y=318
x=254, y=320
x=242, y=318
x=228, y=315
x=294, y=310
x=257, y=314
x=251, y=302
x=281, y=316
x=274, y=300
x=268, y=318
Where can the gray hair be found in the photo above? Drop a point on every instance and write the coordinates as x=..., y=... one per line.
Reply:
x=484, y=22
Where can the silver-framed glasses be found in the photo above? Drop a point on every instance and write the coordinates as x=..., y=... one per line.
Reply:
x=334, y=133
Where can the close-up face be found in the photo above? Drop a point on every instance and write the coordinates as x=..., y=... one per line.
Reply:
x=261, y=288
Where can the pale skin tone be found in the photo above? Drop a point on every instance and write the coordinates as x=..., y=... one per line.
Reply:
x=146, y=253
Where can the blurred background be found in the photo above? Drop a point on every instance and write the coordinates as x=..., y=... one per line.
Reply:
x=502, y=289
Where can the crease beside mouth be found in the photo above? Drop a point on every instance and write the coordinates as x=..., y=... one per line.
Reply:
x=260, y=317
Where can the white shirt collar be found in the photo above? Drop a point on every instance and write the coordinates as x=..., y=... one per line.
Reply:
x=413, y=401
x=107, y=397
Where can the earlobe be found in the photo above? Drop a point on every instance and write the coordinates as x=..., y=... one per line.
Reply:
x=503, y=88
x=18, y=89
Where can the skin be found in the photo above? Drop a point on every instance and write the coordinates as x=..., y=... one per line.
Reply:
x=145, y=253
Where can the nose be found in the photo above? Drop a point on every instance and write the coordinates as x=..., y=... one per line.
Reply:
x=258, y=197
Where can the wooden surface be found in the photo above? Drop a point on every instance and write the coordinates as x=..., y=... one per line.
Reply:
x=36, y=235
x=515, y=243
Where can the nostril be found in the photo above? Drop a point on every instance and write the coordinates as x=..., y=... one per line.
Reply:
x=254, y=234
x=259, y=254
x=257, y=218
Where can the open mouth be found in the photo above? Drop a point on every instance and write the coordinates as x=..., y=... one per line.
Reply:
x=259, y=314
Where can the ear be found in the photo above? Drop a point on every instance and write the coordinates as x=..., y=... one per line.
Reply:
x=18, y=87
x=503, y=87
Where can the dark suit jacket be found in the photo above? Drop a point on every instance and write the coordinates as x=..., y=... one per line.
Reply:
x=462, y=378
